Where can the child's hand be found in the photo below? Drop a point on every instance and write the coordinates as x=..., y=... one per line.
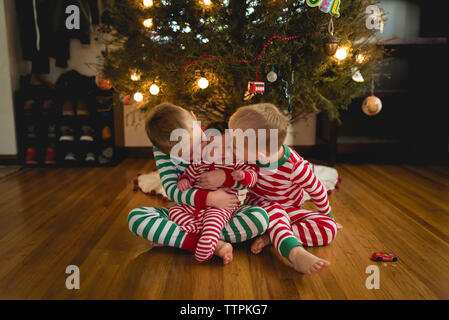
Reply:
x=222, y=199
x=212, y=179
x=238, y=175
x=184, y=185
x=339, y=226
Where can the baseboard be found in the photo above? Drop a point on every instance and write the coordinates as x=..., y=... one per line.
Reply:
x=9, y=160
x=139, y=152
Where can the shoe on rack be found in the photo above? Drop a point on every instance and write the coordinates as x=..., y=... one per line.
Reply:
x=31, y=131
x=70, y=156
x=87, y=133
x=29, y=104
x=50, y=155
x=81, y=108
x=31, y=155
x=51, y=131
x=66, y=134
x=106, y=114
x=67, y=109
x=90, y=157
x=105, y=100
x=48, y=105
x=106, y=156
x=106, y=133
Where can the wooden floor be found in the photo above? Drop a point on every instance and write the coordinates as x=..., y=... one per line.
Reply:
x=52, y=218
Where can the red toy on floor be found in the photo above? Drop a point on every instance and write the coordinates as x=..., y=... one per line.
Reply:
x=384, y=256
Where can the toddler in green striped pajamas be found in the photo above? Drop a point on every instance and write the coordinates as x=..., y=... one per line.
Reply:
x=153, y=224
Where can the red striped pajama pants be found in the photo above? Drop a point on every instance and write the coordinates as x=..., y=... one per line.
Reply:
x=293, y=226
x=208, y=222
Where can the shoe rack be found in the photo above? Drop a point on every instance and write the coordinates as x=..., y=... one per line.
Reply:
x=60, y=129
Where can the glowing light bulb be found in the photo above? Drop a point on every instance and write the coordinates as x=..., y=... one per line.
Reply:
x=154, y=89
x=135, y=76
x=360, y=58
x=148, y=3
x=138, y=97
x=207, y=2
x=342, y=53
x=148, y=23
x=203, y=83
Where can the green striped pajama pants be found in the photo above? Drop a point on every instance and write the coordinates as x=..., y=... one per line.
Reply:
x=154, y=225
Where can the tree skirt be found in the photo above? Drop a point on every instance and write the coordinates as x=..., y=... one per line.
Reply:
x=150, y=183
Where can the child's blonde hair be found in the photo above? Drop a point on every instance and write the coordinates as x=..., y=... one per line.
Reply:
x=163, y=119
x=260, y=116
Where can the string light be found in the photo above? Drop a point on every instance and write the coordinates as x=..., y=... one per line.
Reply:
x=342, y=53
x=360, y=58
x=154, y=89
x=148, y=3
x=138, y=97
x=203, y=83
x=135, y=76
x=148, y=23
x=207, y=2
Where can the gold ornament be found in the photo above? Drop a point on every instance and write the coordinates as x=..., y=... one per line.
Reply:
x=372, y=105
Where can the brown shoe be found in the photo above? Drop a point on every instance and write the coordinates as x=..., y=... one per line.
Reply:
x=81, y=108
x=67, y=109
x=106, y=133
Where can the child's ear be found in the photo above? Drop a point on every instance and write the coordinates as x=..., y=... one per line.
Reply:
x=193, y=116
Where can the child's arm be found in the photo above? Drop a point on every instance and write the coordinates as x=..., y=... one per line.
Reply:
x=303, y=175
x=169, y=177
x=245, y=174
x=217, y=179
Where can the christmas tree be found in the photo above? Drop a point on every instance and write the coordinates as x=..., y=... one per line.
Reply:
x=209, y=55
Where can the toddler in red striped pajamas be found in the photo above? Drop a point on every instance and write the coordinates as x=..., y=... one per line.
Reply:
x=283, y=177
x=209, y=221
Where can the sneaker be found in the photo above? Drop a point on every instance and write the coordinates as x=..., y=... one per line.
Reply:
x=51, y=131
x=29, y=104
x=104, y=100
x=70, y=156
x=87, y=133
x=104, y=109
x=48, y=105
x=31, y=155
x=50, y=155
x=106, y=156
x=81, y=108
x=67, y=109
x=90, y=157
x=31, y=131
x=106, y=133
x=106, y=114
x=66, y=134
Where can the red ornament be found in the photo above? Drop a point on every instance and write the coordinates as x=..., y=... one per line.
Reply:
x=127, y=100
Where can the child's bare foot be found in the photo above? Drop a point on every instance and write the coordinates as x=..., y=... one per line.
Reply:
x=306, y=262
x=259, y=243
x=224, y=251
